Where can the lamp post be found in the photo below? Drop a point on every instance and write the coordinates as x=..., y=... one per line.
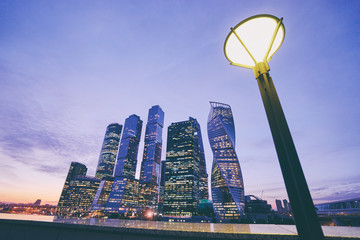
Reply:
x=251, y=44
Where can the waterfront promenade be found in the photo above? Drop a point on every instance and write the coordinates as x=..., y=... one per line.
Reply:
x=91, y=229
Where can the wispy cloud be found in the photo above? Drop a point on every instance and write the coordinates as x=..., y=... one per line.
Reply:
x=40, y=137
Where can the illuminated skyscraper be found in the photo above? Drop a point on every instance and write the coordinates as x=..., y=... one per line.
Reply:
x=102, y=196
x=226, y=180
x=124, y=192
x=76, y=169
x=109, y=150
x=182, y=169
x=203, y=184
x=150, y=167
x=82, y=190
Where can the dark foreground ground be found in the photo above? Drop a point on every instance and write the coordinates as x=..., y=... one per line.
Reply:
x=31, y=230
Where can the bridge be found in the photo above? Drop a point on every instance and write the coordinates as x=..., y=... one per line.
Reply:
x=341, y=213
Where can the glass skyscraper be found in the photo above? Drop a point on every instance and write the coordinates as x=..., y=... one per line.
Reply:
x=108, y=152
x=203, y=184
x=124, y=192
x=82, y=192
x=226, y=180
x=76, y=169
x=182, y=169
x=102, y=196
x=150, y=167
x=129, y=146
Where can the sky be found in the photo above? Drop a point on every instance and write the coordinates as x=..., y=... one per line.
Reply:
x=70, y=68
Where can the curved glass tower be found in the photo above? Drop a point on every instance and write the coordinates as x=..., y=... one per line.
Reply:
x=109, y=150
x=227, y=185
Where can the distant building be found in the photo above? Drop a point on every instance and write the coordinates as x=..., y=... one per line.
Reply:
x=257, y=209
x=226, y=179
x=37, y=202
x=182, y=169
x=286, y=208
x=150, y=166
x=109, y=150
x=279, y=206
x=123, y=197
x=76, y=169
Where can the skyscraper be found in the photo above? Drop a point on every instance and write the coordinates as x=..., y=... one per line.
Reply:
x=102, y=196
x=182, y=169
x=150, y=166
x=82, y=190
x=226, y=180
x=76, y=169
x=124, y=192
x=129, y=146
x=203, y=184
x=109, y=150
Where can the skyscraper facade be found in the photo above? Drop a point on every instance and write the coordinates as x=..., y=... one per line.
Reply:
x=129, y=146
x=150, y=166
x=203, y=184
x=82, y=190
x=182, y=169
x=102, y=196
x=76, y=169
x=226, y=179
x=124, y=192
x=109, y=150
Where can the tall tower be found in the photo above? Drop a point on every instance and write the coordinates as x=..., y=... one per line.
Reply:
x=129, y=146
x=76, y=169
x=108, y=152
x=123, y=197
x=182, y=169
x=226, y=180
x=150, y=167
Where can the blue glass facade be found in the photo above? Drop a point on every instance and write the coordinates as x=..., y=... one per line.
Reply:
x=108, y=152
x=101, y=196
x=123, y=197
x=226, y=178
x=129, y=146
x=150, y=167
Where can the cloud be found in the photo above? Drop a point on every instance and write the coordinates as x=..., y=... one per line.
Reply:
x=43, y=138
x=337, y=189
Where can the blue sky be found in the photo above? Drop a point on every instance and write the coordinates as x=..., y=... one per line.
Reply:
x=70, y=68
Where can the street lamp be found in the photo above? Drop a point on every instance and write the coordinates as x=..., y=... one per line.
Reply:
x=251, y=44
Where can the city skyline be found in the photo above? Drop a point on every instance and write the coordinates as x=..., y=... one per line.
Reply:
x=68, y=70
